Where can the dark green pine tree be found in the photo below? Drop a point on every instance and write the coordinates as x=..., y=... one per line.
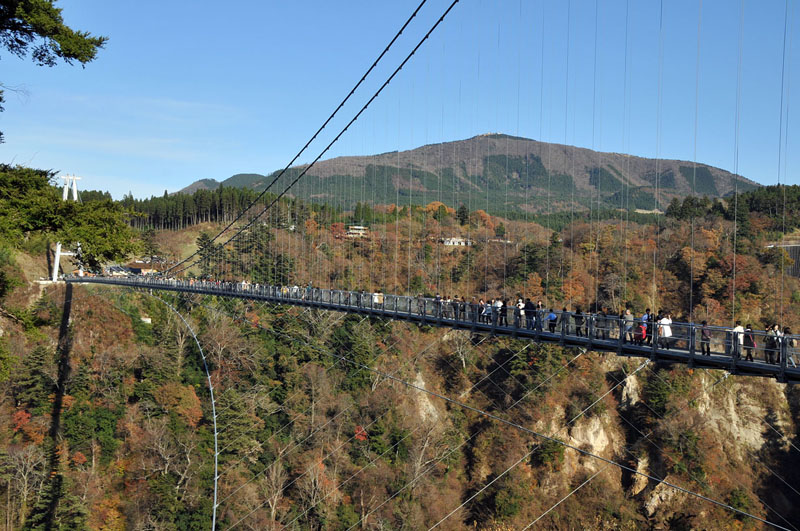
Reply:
x=740, y=212
x=208, y=251
x=149, y=242
x=463, y=215
x=33, y=383
x=58, y=507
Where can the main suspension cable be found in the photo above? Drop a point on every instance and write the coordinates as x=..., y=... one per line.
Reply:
x=313, y=137
x=338, y=136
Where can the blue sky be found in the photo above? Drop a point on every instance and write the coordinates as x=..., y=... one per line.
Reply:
x=192, y=90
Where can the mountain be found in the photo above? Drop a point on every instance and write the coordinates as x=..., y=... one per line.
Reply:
x=202, y=184
x=505, y=172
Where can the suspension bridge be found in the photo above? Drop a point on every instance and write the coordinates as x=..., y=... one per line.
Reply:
x=254, y=256
x=612, y=335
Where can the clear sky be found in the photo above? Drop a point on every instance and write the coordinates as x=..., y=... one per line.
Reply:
x=192, y=90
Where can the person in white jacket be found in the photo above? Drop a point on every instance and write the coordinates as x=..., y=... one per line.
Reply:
x=665, y=331
x=737, y=338
x=519, y=314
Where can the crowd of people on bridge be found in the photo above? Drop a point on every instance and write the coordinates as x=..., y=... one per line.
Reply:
x=534, y=316
x=625, y=327
x=738, y=342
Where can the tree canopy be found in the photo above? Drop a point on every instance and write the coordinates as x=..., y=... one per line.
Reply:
x=30, y=204
x=37, y=27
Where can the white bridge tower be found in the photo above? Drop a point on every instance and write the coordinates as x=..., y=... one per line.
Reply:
x=70, y=183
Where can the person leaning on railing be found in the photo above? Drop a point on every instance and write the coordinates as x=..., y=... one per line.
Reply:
x=705, y=339
x=552, y=318
x=563, y=320
x=749, y=343
x=665, y=331
x=601, y=330
x=773, y=343
x=737, y=338
x=577, y=317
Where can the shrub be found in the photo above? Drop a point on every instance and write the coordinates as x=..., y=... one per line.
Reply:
x=738, y=499
x=548, y=454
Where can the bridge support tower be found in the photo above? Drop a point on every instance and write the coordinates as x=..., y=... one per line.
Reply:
x=70, y=183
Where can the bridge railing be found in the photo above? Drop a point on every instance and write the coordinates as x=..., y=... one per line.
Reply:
x=692, y=338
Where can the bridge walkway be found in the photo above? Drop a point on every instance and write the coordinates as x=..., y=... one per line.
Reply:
x=606, y=334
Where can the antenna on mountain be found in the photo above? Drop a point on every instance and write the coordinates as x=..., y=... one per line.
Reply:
x=70, y=183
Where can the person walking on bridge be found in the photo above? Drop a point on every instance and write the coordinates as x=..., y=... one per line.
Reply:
x=529, y=309
x=665, y=331
x=496, y=305
x=627, y=320
x=519, y=313
x=648, y=326
x=773, y=344
x=639, y=333
x=474, y=310
x=737, y=340
x=749, y=343
x=503, y=312
x=552, y=318
x=705, y=339
x=563, y=320
x=791, y=347
x=578, y=318
x=601, y=331
x=538, y=316
x=446, y=306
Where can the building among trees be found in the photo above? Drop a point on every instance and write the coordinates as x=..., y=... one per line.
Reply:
x=357, y=231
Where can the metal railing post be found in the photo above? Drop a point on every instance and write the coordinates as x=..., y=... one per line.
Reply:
x=474, y=309
x=654, y=351
x=783, y=351
x=516, y=317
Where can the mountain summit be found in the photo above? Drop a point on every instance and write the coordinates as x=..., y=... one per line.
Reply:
x=506, y=173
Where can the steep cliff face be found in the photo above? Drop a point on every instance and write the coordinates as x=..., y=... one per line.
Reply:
x=726, y=438
x=729, y=438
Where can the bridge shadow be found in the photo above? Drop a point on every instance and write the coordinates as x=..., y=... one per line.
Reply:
x=780, y=453
x=636, y=422
x=44, y=514
x=497, y=382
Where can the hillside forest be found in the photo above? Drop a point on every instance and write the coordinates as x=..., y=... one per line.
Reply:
x=107, y=414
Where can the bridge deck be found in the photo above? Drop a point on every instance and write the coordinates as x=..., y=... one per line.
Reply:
x=682, y=346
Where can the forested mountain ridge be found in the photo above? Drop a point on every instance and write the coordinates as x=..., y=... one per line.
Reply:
x=503, y=172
